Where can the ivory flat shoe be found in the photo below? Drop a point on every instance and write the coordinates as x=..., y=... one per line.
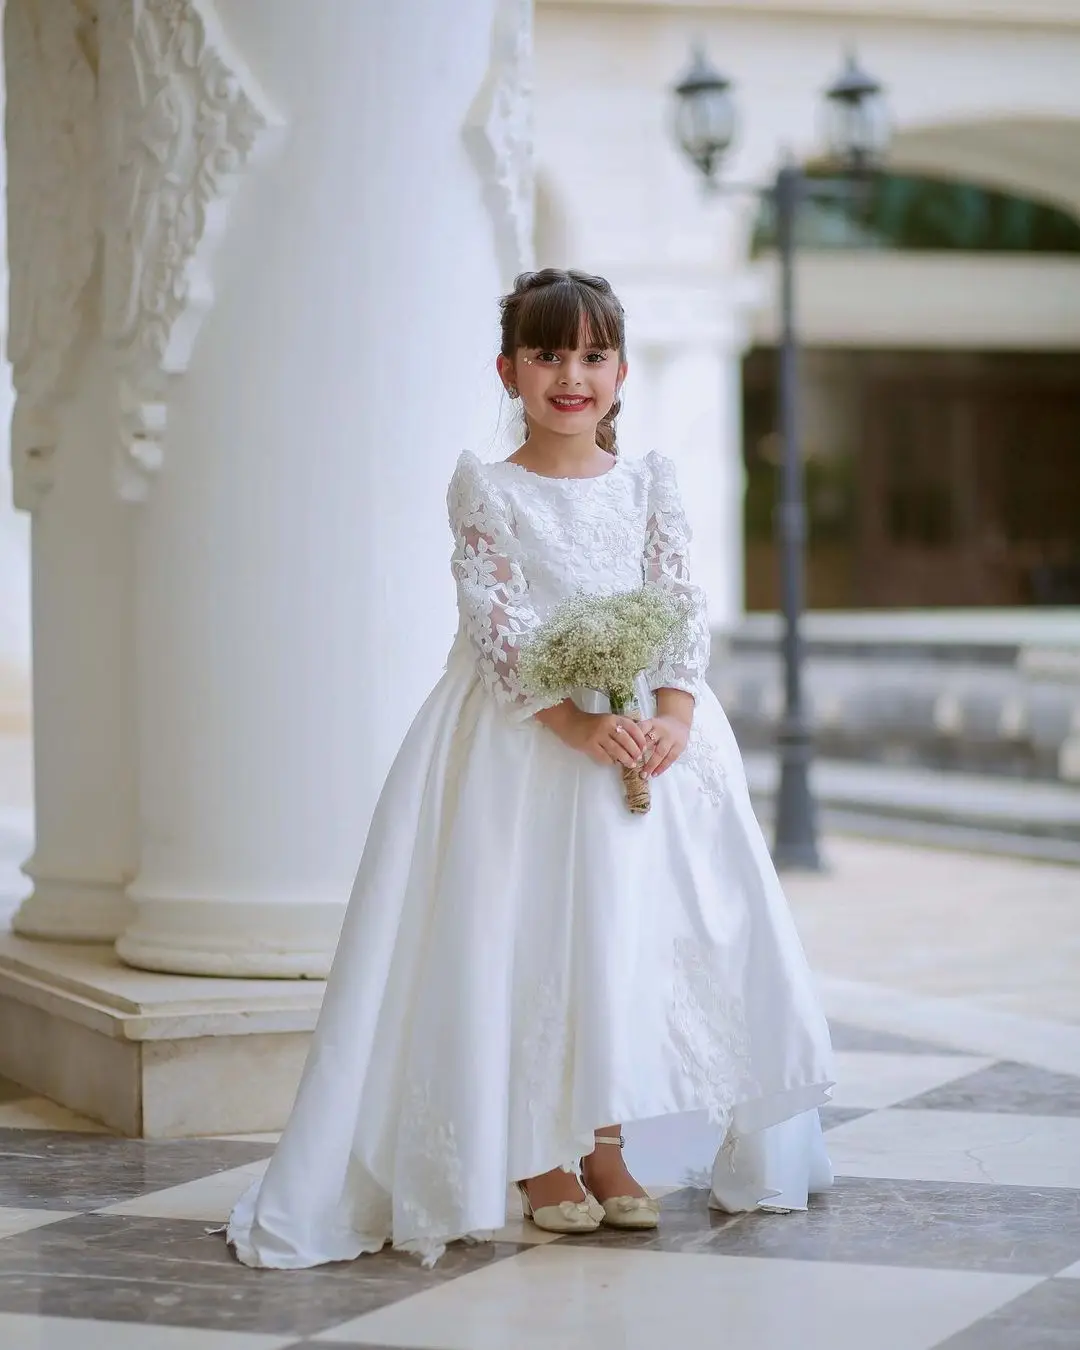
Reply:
x=631, y=1211
x=568, y=1216
x=628, y=1211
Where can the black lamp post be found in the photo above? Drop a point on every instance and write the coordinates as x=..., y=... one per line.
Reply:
x=856, y=131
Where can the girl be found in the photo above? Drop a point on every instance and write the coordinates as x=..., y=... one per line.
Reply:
x=525, y=965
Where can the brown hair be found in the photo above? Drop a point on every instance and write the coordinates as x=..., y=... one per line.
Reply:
x=548, y=309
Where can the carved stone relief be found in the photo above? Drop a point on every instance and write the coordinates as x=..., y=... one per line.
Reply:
x=52, y=157
x=180, y=121
x=128, y=122
x=498, y=134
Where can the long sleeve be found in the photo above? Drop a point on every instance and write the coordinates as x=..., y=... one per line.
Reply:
x=667, y=542
x=492, y=592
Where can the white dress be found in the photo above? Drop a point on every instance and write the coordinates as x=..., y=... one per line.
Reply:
x=523, y=960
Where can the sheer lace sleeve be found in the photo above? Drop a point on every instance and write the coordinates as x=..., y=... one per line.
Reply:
x=492, y=593
x=667, y=541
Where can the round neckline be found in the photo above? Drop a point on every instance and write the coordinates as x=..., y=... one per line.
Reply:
x=562, y=478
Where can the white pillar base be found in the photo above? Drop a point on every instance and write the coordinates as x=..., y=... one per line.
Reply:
x=287, y=940
x=63, y=910
x=152, y=1056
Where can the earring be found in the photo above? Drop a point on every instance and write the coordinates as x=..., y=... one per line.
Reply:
x=512, y=390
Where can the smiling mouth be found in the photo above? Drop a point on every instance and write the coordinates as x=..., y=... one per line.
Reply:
x=570, y=403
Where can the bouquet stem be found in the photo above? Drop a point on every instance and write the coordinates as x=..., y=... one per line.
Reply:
x=638, y=796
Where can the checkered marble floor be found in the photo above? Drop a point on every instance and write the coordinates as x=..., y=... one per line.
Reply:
x=955, y=1223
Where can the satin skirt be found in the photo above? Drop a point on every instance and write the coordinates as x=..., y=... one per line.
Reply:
x=523, y=961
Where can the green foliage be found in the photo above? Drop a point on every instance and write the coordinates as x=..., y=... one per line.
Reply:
x=918, y=212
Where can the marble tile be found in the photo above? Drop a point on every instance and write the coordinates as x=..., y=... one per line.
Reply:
x=340, y=1345
x=1045, y=1318
x=577, y=1298
x=831, y=1116
x=1016, y=1089
x=846, y=1036
x=976, y=1029
x=931, y=1225
x=38, y=1113
x=171, y=1272
x=23, y=1332
x=948, y=925
x=1008, y=1150
x=524, y=1234
x=343, y=1345
x=687, y=1224
x=78, y=1172
x=12, y=1092
x=22, y=1220
x=871, y=1080
x=209, y=1198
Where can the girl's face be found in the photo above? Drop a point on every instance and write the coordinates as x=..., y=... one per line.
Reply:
x=566, y=391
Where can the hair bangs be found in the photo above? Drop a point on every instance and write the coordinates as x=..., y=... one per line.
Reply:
x=557, y=317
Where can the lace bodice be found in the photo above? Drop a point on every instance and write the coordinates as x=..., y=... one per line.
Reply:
x=524, y=542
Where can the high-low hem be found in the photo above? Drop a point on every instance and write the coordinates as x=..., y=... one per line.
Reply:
x=768, y=1169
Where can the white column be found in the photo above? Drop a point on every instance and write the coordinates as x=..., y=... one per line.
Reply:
x=82, y=671
x=83, y=686
x=294, y=603
x=685, y=399
x=14, y=564
x=701, y=406
x=14, y=586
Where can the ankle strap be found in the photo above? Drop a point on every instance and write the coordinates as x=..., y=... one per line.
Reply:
x=616, y=1139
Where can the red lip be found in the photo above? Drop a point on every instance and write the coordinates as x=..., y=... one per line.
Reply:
x=577, y=406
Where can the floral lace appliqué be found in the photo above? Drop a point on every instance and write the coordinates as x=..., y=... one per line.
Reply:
x=709, y=1031
x=429, y=1175
x=667, y=565
x=703, y=762
x=547, y=1058
x=493, y=594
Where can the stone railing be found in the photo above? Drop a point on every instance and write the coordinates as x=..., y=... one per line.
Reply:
x=995, y=692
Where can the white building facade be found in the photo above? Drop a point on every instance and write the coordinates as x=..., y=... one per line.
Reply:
x=983, y=91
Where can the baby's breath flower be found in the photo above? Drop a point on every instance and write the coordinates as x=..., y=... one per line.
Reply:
x=601, y=642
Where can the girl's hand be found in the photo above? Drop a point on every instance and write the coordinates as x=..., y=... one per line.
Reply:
x=604, y=737
x=667, y=736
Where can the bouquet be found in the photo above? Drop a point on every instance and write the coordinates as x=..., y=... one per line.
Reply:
x=604, y=642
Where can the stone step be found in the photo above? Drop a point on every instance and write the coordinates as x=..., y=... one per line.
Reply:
x=952, y=810
x=151, y=1056
x=966, y=693
x=1048, y=636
